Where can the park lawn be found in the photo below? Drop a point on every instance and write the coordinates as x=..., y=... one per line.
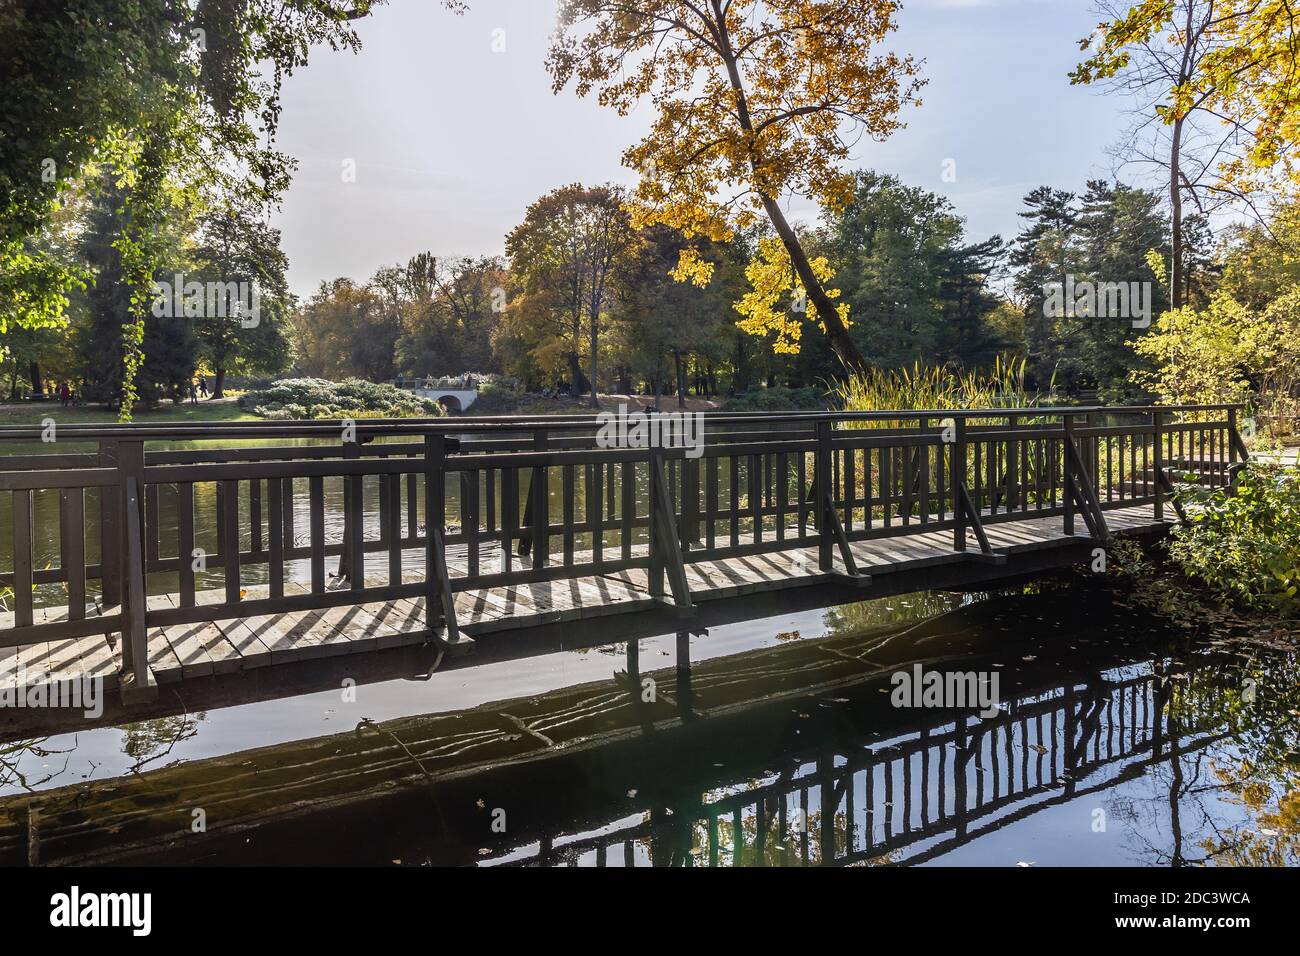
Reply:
x=205, y=411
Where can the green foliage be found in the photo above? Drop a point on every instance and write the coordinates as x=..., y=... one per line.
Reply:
x=172, y=99
x=491, y=385
x=778, y=399
x=1246, y=544
x=449, y=310
x=1104, y=235
x=127, y=354
x=235, y=244
x=347, y=329
x=662, y=322
x=314, y=398
x=915, y=290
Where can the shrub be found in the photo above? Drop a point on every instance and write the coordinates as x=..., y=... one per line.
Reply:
x=778, y=399
x=1246, y=544
x=304, y=398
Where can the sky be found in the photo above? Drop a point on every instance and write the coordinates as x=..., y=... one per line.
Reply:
x=452, y=128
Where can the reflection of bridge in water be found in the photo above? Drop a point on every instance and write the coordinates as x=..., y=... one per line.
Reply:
x=933, y=788
x=782, y=755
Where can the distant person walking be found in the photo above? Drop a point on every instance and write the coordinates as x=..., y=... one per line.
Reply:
x=194, y=393
x=65, y=394
x=203, y=386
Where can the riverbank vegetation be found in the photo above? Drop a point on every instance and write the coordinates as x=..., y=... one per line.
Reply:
x=1242, y=543
x=314, y=398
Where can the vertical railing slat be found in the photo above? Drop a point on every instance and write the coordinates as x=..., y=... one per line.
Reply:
x=23, y=586
x=72, y=538
x=185, y=542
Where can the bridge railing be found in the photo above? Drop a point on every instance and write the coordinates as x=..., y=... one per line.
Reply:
x=128, y=528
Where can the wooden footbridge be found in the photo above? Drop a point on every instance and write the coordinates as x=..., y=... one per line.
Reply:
x=144, y=554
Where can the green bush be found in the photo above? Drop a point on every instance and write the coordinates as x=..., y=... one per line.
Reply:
x=498, y=385
x=778, y=399
x=1246, y=545
x=314, y=398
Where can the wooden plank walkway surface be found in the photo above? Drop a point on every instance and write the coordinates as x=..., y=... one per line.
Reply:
x=182, y=652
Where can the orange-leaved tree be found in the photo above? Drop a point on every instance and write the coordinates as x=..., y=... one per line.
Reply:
x=755, y=100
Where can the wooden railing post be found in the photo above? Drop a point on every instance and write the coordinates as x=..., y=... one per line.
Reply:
x=957, y=481
x=1067, y=424
x=1233, y=437
x=1158, y=463
x=1013, y=465
x=540, y=498
x=137, y=683
x=665, y=541
x=825, y=496
x=654, y=533
x=439, y=601
x=110, y=531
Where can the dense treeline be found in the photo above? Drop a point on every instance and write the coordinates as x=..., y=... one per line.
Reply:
x=207, y=244
x=582, y=296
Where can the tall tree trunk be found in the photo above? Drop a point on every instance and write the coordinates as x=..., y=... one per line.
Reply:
x=1176, y=221
x=740, y=380
x=575, y=373
x=595, y=335
x=845, y=348
x=34, y=370
x=219, y=382
x=681, y=378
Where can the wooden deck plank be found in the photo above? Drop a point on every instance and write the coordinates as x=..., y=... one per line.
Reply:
x=101, y=660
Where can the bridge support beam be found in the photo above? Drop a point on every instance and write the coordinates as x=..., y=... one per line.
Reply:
x=1079, y=490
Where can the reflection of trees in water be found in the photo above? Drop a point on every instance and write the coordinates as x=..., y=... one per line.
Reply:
x=865, y=615
x=148, y=741
x=13, y=755
x=1274, y=840
x=1254, y=767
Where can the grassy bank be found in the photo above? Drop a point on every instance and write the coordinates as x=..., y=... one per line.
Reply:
x=33, y=413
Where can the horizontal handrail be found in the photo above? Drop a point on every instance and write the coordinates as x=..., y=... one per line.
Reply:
x=332, y=428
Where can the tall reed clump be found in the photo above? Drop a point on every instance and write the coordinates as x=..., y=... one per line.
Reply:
x=925, y=387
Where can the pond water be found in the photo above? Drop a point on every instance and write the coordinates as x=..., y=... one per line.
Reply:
x=1115, y=742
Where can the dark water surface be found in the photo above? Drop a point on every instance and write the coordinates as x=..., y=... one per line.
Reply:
x=773, y=742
